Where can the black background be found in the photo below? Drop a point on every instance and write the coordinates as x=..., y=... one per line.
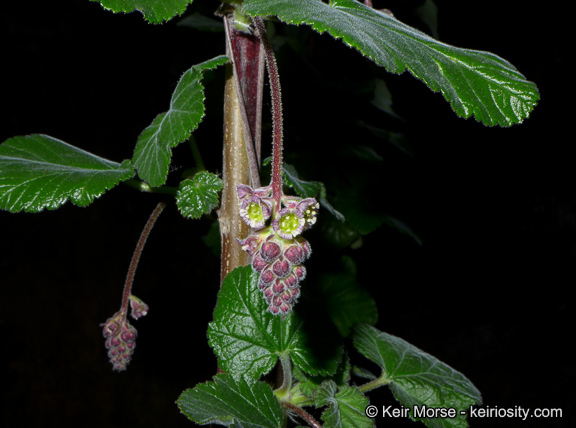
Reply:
x=495, y=208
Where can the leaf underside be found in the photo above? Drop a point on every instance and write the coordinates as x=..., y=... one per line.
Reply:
x=39, y=172
x=475, y=83
x=154, y=11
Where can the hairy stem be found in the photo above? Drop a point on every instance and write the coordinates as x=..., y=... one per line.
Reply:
x=303, y=414
x=276, y=111
x=373, y=384
x=136, y=256
x=285, y=375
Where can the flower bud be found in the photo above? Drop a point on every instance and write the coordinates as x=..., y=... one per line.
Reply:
x=294, y=254
x=139, y=308
x=281, y=268
x=121, y=340
x=270, y=251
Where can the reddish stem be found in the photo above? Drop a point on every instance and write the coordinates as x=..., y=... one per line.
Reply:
x=303, y=414
x=276, y=111
x=136, y=257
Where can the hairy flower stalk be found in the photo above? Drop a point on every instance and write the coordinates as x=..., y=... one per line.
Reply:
x=119, y=333
x=275, y=246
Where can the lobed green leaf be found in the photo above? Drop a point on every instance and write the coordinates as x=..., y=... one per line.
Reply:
x=475, y=83
x=308, y=384
x=417, y=378
x=153, y=148
x=39, y=172
x=346, y=407
x=154, y=11
x=229, y=401
x=248, y=340
x=198, y=195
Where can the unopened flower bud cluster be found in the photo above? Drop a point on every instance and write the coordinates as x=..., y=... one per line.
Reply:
x=277, y=250
x=121, y=335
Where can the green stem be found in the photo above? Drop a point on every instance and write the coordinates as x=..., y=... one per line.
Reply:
x=373, y=384
x=145, y=187
x=286, y=386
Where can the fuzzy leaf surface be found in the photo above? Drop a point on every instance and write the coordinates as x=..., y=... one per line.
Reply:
x=308, y=385
x=346, y=408
x=198, y=195
x=228, y=401
x=248, y=340
x=475, y=83
x=154, y=11
x=153, y=148
x=417, y=378
x=39, y=172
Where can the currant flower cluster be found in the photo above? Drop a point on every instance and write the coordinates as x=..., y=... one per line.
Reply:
x=277, y=250
x=121, y=335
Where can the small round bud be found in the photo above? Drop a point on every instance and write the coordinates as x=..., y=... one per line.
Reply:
x=294, y=254
x=267, y=276
x=281, y=268
x=258, y=264
x=278, y=287
x=139, y=308
x=270, y=251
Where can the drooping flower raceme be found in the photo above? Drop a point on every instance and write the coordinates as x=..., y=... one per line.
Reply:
x=121, y=335
x=278, y=252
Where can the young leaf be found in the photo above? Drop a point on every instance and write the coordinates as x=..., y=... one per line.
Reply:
x=248, y=340
x=38, y=172
x=153, y=148
x=309, y=384
x=417, y=378
x=155, y=11
x=474, y=82
x=346, y=408
x=228, y=401
x=198, y=195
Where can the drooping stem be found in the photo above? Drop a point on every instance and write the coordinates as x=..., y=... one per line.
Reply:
x=276, y=111
x=136, y=257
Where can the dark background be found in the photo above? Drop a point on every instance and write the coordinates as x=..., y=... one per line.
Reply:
x=495, y=208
